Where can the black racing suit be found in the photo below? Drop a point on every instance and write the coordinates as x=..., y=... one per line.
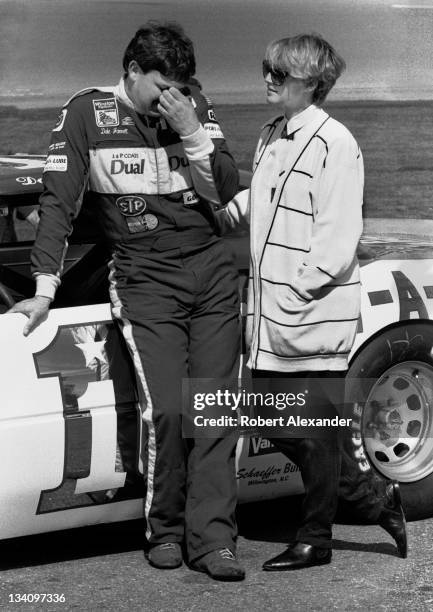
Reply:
x=157, y=197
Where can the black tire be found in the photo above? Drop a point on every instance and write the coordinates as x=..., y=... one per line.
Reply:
x=390, y=399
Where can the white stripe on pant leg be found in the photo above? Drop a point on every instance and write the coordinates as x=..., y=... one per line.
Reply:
x=144, y=398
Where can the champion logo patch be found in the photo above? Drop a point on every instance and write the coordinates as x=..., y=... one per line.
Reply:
x=106, y=112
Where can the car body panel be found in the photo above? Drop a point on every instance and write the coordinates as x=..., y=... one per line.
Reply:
x=69, y=430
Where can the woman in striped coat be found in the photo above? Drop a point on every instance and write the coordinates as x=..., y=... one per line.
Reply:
x=304, y=207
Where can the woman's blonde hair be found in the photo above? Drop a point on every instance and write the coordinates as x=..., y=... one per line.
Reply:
x=308, y=57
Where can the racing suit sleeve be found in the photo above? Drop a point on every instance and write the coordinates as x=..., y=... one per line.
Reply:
x=237, y=212
x=337, y=228
x=64, y=179
x=213, y=169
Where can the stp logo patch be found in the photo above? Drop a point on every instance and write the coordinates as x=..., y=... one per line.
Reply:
x=131, y=205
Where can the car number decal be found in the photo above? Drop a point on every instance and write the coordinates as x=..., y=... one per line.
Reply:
x=82, y=363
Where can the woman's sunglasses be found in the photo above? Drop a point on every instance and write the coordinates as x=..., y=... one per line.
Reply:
x=277, y=76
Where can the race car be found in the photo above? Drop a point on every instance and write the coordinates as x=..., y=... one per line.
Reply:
x=69, y=427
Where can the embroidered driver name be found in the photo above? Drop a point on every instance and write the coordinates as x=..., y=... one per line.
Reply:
x=106, y=112
x=132, y=208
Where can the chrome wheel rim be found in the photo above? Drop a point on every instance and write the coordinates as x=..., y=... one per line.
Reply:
x=397, y=422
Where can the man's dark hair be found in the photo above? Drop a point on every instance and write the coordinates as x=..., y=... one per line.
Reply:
x=163, y=47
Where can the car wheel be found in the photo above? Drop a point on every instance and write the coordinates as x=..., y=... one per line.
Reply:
x=390, y=398
x=5, y=296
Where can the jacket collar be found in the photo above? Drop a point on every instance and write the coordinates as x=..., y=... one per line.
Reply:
x=120, y=92
x=306, y=116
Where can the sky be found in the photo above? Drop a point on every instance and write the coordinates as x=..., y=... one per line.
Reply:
x=52, y=48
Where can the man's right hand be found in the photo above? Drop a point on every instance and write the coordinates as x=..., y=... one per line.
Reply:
x=36, y=309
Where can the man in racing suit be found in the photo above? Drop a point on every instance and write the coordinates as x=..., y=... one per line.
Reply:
x=157, y=171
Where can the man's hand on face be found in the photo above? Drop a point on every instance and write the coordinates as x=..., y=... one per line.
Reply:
x=178, y=111
x=36, y=309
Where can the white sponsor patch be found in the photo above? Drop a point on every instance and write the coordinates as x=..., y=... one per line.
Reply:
x=57, y=146
x=132, y=170
x=106, y=112
x=56, y=163
x=214, y=130
x=60, y=121
x=127, y=121
x=190, y=198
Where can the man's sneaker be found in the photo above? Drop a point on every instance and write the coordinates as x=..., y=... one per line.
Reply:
x=165, y=556
x=220, y=565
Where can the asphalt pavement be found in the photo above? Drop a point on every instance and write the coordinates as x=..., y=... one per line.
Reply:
x=103, y=568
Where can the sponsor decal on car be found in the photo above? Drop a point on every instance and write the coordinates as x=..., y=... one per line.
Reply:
x=56, y=163
x=60, y=121
x=106, y=112
x=211, y=114
x=131, y=205
x=214, y=130
x=270, y=474
x=27, y=180
x=392, y=291
x=359, y=449
x=260, y=446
